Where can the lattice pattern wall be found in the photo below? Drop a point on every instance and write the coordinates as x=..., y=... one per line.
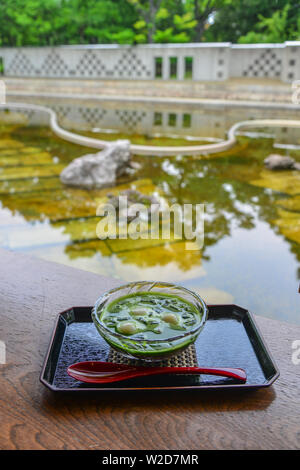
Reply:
x=268, y=63
x=85, y=63
x=207, y=61
x=292, y=65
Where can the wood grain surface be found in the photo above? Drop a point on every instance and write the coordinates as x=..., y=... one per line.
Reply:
x=33, y=292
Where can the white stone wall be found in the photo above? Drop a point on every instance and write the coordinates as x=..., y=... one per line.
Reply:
x=210, y=61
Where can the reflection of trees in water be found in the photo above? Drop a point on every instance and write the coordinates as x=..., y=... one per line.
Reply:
x=45, y=139
x=224, y=186
x=221, y=182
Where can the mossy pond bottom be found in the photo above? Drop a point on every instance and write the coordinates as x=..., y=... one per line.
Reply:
x=251, y=253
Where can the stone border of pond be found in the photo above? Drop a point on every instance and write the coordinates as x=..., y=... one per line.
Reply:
x=154, y=150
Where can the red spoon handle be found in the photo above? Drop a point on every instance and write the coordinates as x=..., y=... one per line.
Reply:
x=231, y=372
x=105, y=372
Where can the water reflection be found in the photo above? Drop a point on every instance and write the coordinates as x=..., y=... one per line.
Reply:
x=251, y=253
x=153, y=123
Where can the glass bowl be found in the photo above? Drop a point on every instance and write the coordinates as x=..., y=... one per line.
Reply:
x=149, y=349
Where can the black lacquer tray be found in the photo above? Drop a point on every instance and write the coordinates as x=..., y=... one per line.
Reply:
x=230, y=338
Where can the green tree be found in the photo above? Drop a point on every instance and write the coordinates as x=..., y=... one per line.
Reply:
x=53, y=22
x=188, y=19
x=238, y=20
x=276, y=28
x=202, y=11
x=98, y=21
x=27, y=22
x=146, y=24
x=173, y=20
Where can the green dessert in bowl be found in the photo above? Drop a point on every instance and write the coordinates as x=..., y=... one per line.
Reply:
x=149, y=320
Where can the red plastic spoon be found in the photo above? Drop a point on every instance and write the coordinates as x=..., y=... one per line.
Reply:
x=105, y=372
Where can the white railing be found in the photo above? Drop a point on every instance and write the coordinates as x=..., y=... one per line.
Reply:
x=204, y=61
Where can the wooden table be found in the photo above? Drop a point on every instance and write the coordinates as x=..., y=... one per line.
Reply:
x=32, y=292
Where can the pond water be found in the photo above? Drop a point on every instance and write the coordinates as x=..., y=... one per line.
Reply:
x=251, y=253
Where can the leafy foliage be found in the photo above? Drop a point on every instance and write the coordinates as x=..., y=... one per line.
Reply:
x=251, y=21
x=277, y=28
x=55, y=22
x=52, y=22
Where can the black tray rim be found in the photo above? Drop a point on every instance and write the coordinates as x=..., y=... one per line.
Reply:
x=223, y=387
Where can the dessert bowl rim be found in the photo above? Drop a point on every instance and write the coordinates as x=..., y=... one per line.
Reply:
x=191, y=332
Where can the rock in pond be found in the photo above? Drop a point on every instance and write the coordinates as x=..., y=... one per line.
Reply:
x=100, y=169
x=280, y=162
